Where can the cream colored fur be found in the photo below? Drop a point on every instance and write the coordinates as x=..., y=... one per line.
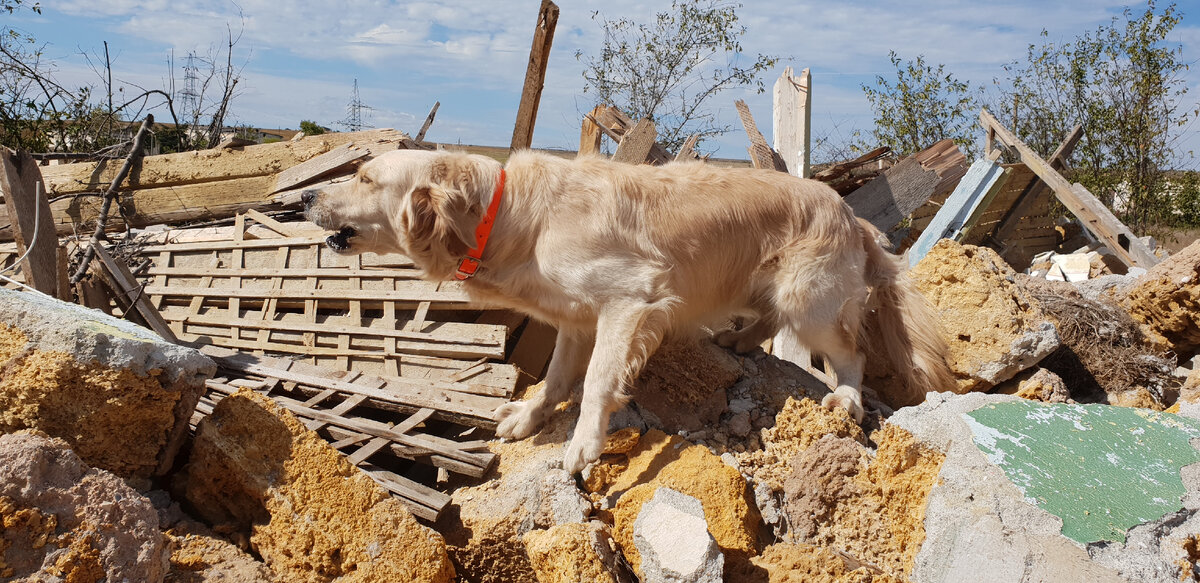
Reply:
x=617, y=257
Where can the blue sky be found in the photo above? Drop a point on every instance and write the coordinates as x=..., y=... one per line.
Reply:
x=301, y=57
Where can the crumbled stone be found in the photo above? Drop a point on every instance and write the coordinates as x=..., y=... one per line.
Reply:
x=310, y=515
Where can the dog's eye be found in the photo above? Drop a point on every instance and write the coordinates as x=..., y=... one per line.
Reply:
x=363, y=178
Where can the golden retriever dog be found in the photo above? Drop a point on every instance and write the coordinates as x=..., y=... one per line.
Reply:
x=617, y=257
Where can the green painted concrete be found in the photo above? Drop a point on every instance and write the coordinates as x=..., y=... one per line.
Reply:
x=1102, y=469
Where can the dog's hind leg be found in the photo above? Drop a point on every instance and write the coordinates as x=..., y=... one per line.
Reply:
x=627, y=333
x=519, y=420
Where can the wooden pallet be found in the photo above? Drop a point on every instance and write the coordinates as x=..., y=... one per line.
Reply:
x=290, y=294
x=338, y=407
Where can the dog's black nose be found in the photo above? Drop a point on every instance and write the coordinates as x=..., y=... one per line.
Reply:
x=308, y=197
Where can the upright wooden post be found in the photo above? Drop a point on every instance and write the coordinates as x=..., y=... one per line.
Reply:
x=31, y=219
x=535, y=75
x=793, y=114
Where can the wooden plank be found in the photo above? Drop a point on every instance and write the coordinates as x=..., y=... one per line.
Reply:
x=486, y=342
x=316, y=167
x=424, y=502
x=761, y=154
x=905, y=187
x=270, y=223
x=590, y=134
x=1092, y=214
x=792, y=119
x=983, y=179
x=30, y=220
x=535, y=75
x=636, y=143
x=128, y=285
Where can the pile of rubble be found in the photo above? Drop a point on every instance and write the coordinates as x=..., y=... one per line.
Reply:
x=1032, y=467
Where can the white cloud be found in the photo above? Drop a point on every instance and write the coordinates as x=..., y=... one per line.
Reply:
x=471, y=54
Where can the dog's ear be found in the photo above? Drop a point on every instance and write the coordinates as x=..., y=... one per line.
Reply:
x=445, y=216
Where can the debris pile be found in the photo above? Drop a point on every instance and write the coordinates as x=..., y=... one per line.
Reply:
x=285, y=413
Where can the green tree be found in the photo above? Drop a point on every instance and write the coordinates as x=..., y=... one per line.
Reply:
x=311, y=128
x=924, y=105
x=1124, y=84
x=669, y=71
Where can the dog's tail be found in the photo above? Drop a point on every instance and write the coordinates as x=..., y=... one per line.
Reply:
x=901, y=327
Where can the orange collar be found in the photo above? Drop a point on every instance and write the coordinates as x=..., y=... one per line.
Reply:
x=470, y=263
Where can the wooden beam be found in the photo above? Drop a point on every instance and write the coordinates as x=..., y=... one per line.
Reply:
x=636, y=144
x=792, y=120
x=30, y=218
x=1092, y=214
x=1038, y=189
x=535, y=75
x=590, y=134
x=905, y=187
x=761, y=154
x=958, y=214
x=210, y=165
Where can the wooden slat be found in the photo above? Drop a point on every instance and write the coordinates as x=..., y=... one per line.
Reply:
x=411, y=293
x=127, y=285
x=487, y=343
x=282, y=228
x=590, y=135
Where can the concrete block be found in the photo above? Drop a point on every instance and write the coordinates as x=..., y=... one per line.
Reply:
x=116, y=392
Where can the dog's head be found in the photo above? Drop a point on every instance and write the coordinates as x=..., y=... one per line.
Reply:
x=423, y=204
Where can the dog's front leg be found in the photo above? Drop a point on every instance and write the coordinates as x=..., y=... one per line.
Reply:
x=626, y=335
x=569, y=361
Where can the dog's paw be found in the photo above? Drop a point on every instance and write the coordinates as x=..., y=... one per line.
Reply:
x=848, y=399
x=580, y=453
x=515, y=421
